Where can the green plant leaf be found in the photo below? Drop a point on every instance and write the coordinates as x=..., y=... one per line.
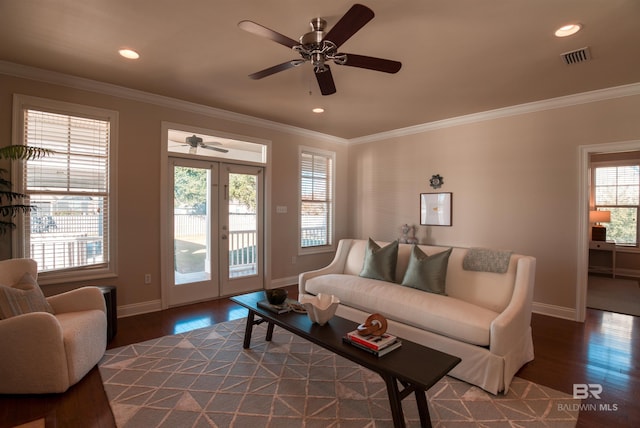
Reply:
x=11, y=210
x=11, y=196
x=22, y=152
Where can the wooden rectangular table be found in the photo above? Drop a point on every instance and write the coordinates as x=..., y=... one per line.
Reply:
x=417, y=368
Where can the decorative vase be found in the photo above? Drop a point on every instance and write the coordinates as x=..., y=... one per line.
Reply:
x=320, y=308
x=276, y=296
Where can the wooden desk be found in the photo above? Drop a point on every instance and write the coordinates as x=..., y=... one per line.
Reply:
x=596, y=247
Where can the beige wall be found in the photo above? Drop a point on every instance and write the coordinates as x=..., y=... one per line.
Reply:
x=139, y=190
x=514, y=182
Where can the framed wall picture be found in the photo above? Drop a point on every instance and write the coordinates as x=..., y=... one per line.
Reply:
x=435, y=209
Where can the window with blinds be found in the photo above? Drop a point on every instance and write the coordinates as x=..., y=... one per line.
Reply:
x=617, y=189
x=316, y=198
x=68, y=228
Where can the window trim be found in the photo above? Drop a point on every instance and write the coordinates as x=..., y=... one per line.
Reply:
x=592, y=190
x=24, y=102
x=332, y=233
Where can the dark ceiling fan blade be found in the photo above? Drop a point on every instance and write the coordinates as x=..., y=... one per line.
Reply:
x=276, y=68
x=217, y=149
x=325, y=81
x=372, y=63
x=349, y=24
x=265, y=32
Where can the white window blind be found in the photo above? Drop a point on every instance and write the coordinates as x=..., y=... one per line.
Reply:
x=617, y=189
x=316, y=199
x=69, y=189
x=618, y=185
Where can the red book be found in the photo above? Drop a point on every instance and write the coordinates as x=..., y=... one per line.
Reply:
x=379, y=353
x=372, y=342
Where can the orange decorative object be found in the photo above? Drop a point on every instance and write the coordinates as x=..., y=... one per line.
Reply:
x=375, y=325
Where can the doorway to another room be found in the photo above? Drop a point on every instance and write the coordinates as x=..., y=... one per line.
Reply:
x=612, y=179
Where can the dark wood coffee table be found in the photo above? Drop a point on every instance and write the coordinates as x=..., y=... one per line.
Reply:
x=416, y=367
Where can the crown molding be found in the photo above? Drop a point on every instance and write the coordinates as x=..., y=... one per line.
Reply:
x=536, y=106
x=38, y=74
x=56, y=78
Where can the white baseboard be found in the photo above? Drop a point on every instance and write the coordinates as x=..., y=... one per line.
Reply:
x=139, y=308
x=283, y=282
x=156, y=305
x=554, y=311
x=633, y=273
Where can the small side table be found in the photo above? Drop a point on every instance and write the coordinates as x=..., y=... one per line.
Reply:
x=110, y=300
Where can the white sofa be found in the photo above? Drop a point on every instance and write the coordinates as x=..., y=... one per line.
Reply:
x=484, y=318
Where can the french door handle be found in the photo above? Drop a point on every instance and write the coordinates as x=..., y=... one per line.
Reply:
x=223, y=237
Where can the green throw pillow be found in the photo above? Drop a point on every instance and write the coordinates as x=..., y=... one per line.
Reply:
x=23, y=297
x=427, y=273
x=380, y=263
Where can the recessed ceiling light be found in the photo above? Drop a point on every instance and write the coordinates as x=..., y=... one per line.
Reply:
x=318, y=110
x=129, y=53
x=568, y=30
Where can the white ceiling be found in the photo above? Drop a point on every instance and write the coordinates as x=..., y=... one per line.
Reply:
x=459, y=56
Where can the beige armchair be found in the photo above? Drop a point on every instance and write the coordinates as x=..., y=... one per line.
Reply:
x=42, y=352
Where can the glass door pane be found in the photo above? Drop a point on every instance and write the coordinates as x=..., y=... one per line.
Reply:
x=192, y=205
x=194, y=216
x=243, y=232
x=241, y=229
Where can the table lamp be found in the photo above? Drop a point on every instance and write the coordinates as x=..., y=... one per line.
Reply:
x=598, y=231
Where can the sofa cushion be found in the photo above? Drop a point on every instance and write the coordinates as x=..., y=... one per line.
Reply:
x=440, y=314
x=486, y=260
x=427, y=273
x=380, y=263
x=23, y=297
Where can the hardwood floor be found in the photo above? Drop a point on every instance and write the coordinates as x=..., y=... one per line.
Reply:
x=604, y=350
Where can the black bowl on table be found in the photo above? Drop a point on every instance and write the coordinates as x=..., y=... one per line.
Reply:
x=276, y=296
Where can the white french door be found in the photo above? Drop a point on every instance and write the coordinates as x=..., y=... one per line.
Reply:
x=241, y=229
x=216, y=211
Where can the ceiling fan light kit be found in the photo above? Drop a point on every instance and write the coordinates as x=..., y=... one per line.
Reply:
x=318, y=47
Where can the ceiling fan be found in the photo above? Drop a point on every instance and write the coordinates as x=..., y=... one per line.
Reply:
x=319, y=47
x=194, y=142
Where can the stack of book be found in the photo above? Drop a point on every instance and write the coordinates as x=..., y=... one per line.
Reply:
x=282, y=308
x=376, y=345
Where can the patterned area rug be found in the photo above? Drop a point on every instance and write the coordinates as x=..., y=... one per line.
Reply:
x=204, y=378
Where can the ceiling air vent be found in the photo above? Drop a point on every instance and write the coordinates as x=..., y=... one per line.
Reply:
x=574, y=57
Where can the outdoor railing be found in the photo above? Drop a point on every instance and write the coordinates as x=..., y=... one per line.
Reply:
x=55, y=249
x=65, y=252
x=314, y=236
x=243, y=255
